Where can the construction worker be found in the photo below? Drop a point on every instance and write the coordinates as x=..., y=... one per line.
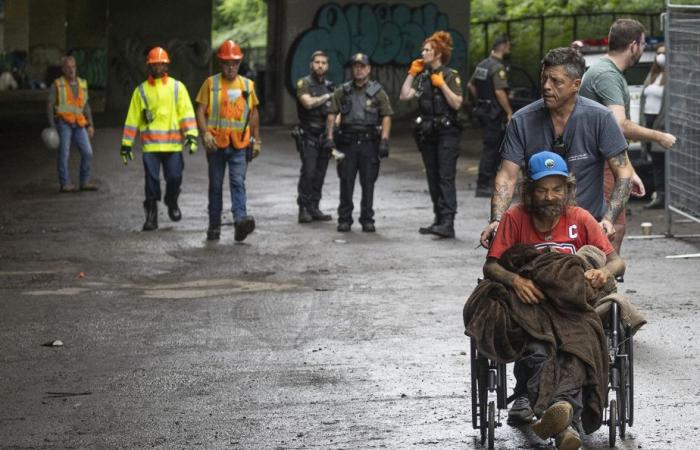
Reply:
x=227, y=116
x=162, y=112
x=69, y=113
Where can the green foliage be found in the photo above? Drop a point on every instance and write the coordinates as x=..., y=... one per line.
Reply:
x=558, y=31
x=244, y=21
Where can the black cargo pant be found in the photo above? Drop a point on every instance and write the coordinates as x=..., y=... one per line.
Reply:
x=528, y=369
x=314, y=163
x=493, y=134
x=361, y=156
x=440, y=151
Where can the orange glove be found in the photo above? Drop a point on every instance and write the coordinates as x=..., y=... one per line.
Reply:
x=416, y=67
x=437, y=80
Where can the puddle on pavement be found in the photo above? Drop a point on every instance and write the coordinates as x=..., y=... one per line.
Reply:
x=61, y=291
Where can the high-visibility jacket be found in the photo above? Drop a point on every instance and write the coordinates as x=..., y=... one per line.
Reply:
x=229, y=105
x=69, y=108
x=162, y=112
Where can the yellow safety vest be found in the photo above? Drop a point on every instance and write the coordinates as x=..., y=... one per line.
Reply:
x=162, y=112
x=68, y=108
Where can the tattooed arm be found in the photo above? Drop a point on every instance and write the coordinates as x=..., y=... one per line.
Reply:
x=623, y=172
x=504, y=186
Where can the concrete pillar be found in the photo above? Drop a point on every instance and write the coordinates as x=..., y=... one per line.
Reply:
x=86, y=24
x=183, y=28
x=16, y=25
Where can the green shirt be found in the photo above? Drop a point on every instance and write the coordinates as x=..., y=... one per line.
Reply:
x=605, y=83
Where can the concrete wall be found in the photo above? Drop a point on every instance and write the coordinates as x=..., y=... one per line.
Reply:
x=16, y=29
x=86, y=24
x=391, y=33
x=183, y=28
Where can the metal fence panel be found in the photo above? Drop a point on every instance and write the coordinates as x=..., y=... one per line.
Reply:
x=683, y=113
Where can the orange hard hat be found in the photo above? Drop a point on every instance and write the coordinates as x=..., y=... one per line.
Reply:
x=229, y=50
x=157, y=55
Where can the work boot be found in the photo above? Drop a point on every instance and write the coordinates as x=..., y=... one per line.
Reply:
x=89, y=186
x=343, y=227
x=150, y=207
x=318, y=215
x=555, y=419
x=214, y=233
x=657, y=201
x=368, y=227
x=243, y=228
x=173, y=210
x=569, y=439
x=305, y=215
x=445, y=229
x=520, y=413
x=429, y=229
x=67, y=188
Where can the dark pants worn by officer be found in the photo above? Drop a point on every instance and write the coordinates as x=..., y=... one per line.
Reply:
x=493, y=134
x=361, y=148
x=439, y=147
x=314, y=155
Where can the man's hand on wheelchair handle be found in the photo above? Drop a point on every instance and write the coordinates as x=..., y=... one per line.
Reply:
x=597, y=277
x=488, y=233
x=527, y=291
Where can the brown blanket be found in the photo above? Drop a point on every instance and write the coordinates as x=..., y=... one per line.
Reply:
x=501, y=325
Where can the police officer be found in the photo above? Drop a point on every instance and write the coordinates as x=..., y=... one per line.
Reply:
x=437, y=131
x=489, y=85
x=313, y=99
x=363, y=137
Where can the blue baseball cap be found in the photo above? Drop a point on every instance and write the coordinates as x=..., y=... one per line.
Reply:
x=546, y=163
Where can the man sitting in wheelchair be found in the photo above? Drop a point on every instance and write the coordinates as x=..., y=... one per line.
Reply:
x=548, y=263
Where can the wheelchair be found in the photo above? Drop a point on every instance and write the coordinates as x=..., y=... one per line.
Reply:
x=489, y=384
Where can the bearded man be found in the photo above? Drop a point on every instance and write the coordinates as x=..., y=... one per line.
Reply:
x=548, y=219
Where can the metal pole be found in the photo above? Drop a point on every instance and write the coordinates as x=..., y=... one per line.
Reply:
x=669, y=84
x=541, y=37
x=486, y=39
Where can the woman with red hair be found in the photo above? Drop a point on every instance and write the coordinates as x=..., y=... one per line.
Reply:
x=437, y=131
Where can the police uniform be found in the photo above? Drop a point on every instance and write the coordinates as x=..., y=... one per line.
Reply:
x=489, y=75
x=362, y=109
x=437, y=132
x=310, y=137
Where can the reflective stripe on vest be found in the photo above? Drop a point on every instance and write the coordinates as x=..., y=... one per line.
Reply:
x=69, y=108
x=219, y=121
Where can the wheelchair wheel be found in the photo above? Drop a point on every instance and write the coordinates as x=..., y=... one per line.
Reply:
x=612, y=423
x=630, y=380
x=622, y=398
x=483, y=397
x=492, y=423
x=474, y=374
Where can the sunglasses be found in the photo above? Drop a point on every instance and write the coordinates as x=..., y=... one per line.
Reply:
x=558, y=147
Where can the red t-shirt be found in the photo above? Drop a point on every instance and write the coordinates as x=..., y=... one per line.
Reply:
x=576, y=228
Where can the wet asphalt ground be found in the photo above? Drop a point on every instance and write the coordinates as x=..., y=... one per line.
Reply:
x=299, y=337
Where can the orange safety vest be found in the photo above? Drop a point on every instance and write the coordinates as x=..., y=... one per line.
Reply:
x=227, y=118
x=68, y=108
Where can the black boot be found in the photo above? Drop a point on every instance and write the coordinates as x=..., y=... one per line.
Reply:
x=214, y=233
x=445, y=228
x=304, y=215
x=318, y=215
x=243, y=228
x=173, y=210
x=657, y=201
x=429, y=229
x=150, y=207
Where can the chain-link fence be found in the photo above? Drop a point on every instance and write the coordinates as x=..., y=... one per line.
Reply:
x=682, y=27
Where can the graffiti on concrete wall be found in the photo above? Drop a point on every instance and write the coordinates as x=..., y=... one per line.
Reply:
x=390, y=34
x=189, y=59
